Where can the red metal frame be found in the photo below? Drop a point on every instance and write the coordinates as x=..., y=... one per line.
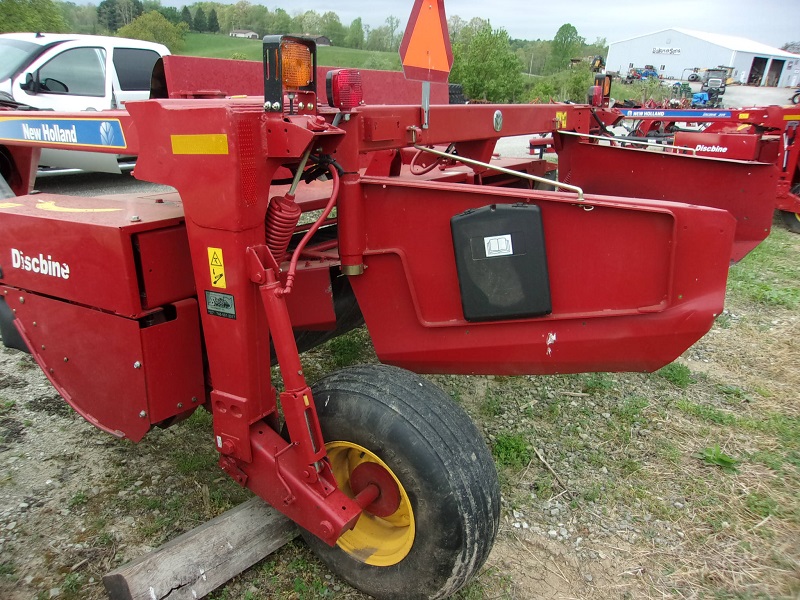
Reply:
x=768, y=134
x=634, y=281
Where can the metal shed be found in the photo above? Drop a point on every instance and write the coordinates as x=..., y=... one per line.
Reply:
x=676, y=52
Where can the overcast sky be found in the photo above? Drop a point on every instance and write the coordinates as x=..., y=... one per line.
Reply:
x=773, y=22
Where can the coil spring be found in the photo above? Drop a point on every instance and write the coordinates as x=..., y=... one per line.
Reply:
x=283, y=214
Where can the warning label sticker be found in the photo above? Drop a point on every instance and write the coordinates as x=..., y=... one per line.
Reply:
x=220, y=305
x=216, y=265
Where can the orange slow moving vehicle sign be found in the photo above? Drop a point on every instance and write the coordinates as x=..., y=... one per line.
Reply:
x=425, y=51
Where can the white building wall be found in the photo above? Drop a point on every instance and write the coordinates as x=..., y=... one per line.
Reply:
x=672, y=53
x=791, y=75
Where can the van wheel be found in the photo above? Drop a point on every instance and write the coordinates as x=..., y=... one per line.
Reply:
x=437, y=509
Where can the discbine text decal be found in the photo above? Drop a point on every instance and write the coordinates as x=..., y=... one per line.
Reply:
x=39, y=264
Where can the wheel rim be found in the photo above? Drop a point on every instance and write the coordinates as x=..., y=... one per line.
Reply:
x=377, y=541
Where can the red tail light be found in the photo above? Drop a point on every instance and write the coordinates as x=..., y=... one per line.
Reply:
x=344, y=88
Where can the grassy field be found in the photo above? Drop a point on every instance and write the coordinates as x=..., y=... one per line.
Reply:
x=223, y=46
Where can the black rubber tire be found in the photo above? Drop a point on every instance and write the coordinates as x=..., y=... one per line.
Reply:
x=796, y=99
x=439, y=457
x=791, y=220
x=693, y=77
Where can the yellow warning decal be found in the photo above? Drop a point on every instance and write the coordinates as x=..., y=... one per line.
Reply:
x=206, y=143
x=744, y=115
x=9, y=205
x=561, y=120
x=216, y=265
x=51, y=206
x=791, y=117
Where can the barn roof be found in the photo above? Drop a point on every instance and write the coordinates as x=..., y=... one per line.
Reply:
x=731, y=42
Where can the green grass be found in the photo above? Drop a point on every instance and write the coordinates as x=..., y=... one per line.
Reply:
x=713, y=455
x=768, y=275
x=512, y=450
x=677, y=374
x=222, y=46
x=78, y=499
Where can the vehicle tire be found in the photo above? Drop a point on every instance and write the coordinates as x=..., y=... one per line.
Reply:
x=693, y=77
x=791, y=220
x=456, y=91
x=796, y=99
x=442, y=489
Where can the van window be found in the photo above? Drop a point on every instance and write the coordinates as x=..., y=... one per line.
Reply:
x=82, y=71
x=134, y=67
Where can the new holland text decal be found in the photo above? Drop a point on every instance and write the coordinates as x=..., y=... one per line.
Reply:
x=97, y=132
x=666, y=113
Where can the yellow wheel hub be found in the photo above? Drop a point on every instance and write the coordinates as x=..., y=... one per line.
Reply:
x=376, y=541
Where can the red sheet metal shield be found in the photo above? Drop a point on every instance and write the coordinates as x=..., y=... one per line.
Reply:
x=746, y=189
x=425, y=50
x=633, y=282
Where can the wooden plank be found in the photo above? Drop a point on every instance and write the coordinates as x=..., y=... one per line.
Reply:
x=199, y=561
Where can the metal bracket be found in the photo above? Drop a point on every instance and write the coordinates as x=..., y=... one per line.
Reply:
x=691, y=151
x=521, y=175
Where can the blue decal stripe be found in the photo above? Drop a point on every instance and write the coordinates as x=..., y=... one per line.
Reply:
x=95, y=133
x=656, y=113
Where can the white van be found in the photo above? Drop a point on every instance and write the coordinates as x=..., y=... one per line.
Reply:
x=71, y=72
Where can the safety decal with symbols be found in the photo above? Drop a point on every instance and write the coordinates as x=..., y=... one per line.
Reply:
x=216, y=266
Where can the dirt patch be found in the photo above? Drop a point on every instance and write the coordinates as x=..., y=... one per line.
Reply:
x=51, y=404
x=11, y=431
x=12, y=382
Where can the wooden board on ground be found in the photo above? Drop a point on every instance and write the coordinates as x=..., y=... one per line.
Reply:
x=199, y=561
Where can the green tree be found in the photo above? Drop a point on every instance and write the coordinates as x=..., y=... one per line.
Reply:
x=186, y=17
x=127, y=11
x=469, y=30
x=455, y=26
x=486, y=66
x=281, y=22
x=598, y=47
x=31, y=15
x=379, y=39
x=566, y=45
x=107, y=15
x=79, y=19
x=331, y=27
x=257, y=18
x=213, y=22
x=534, y=55
x=171, y=14
x=199, y=23
x=154, y=27
x=355, y=35
x=392, y=24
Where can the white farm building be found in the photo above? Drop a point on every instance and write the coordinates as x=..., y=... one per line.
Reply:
x=674, y=53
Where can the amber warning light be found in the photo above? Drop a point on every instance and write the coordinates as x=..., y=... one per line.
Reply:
x=296, y=65
x=344, y=89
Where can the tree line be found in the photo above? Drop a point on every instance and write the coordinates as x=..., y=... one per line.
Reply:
x=110, y=16
x=487, y=62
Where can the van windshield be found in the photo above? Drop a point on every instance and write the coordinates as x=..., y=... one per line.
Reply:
x=17, y=54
